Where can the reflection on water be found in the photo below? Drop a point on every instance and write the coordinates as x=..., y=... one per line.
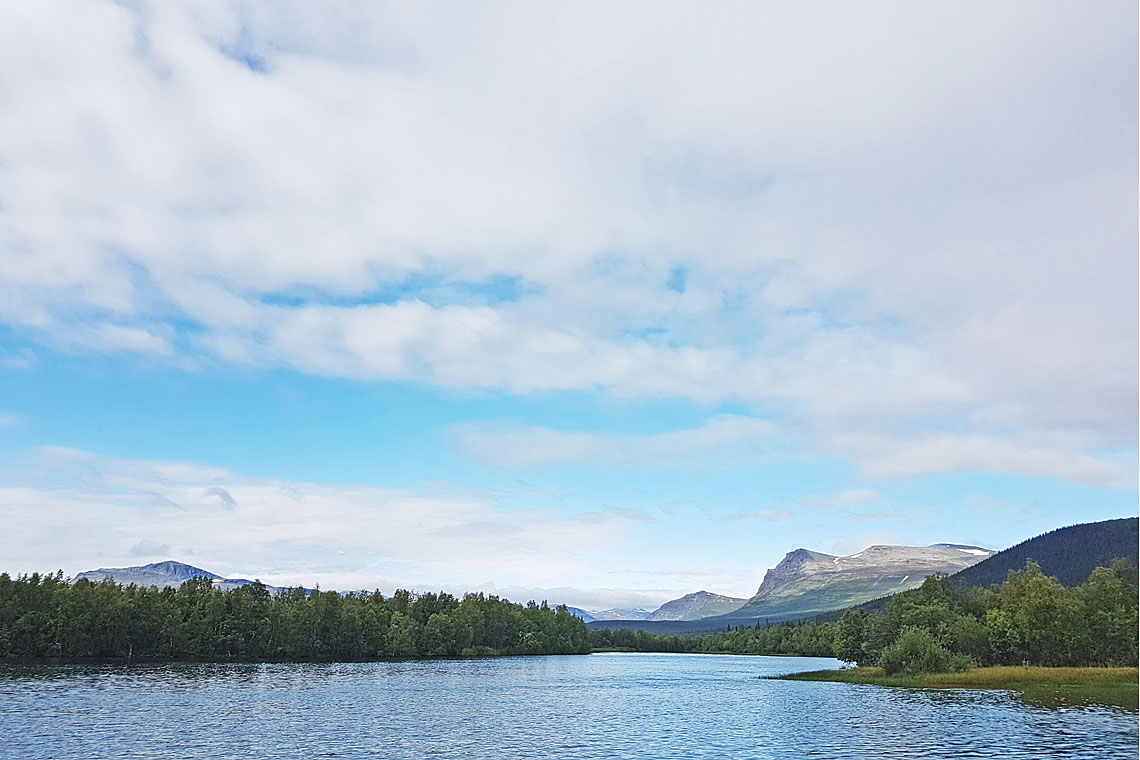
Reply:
x=598, y=706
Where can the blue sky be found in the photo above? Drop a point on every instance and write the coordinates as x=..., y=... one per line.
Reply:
x=382, y=296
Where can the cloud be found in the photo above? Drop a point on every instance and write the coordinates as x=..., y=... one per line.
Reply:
x=78, y=510
x=23, y=359
x=879, y=234
x=773, y=514
x=766, y=515
x=606, y=513
x=858, y=496
x=875, y=517
x=724, y=440
x=149, y=549
x=223, y=495
x=885, y=457
x=629, y=513
x=847, y=498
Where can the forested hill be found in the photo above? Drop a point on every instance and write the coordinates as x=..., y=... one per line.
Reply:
x=1068, y=554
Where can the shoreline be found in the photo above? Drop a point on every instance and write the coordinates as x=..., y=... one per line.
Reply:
x=1113, y=686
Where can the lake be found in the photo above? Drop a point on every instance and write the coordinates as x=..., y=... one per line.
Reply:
x=596, y=706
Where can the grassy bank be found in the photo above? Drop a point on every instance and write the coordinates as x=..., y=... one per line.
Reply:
x=1038, y=685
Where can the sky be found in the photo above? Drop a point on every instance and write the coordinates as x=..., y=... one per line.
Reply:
x=589, y=303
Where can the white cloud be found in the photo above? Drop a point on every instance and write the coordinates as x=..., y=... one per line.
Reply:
x=78, y=511
x=773, y=514
x=875, y=517
x=847, y=498
x=765, y=515
x=725, y=440
x=884, y=457
x=893, y=220
x=858, y=496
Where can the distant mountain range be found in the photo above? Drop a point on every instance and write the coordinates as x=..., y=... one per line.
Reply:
x=806, y=583
x=163, y=574
x=629, y=613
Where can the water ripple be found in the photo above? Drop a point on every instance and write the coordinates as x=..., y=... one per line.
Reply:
x=597, y=707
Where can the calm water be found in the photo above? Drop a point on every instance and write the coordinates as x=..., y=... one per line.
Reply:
x=597, y=706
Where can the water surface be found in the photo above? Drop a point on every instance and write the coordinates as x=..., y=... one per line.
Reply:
x=581, y=707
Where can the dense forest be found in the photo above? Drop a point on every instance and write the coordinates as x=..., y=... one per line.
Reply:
x=1069, y=554
x=44, y=616
x=1030, y=618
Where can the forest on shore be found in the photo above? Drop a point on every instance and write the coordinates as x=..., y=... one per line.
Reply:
x=45, y=617
x=1029, y=619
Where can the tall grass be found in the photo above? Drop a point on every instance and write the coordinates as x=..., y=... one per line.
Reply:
x=1048, y=687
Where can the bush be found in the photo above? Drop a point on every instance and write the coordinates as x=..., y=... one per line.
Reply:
x=916, y=651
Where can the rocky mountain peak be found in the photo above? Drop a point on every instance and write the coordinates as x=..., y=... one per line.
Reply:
x=697, y=605
x=810, y=581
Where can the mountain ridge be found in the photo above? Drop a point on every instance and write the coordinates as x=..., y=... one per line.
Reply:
x=808, y=582
x=1069, y=554
x=697, y=606
x=168, y=573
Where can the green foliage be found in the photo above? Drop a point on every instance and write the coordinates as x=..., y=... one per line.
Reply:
x=806, y=638
x=47, y=617
x=1069, y=554
x=850, y=635
x=917, y=651
x=1030, y=619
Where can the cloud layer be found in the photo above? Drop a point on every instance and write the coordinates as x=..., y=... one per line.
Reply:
x=79, y=511
x=907, y=233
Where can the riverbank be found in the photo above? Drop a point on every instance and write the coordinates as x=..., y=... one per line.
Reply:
x=1038, y=685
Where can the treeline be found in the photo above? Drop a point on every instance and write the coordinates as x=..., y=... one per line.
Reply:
x=44, y=616
x=1030, y=619
x=805, y=638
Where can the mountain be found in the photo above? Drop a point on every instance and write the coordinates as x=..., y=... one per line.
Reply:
x=1069, y=554
x=581, y=613
x=636, y=613
x=701, y=604
x=807, y=582
x=162, y=574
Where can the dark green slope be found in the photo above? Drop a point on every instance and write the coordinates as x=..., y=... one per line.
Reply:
x=1069, y=554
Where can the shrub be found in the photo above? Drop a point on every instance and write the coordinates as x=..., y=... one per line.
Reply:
x=916, y=651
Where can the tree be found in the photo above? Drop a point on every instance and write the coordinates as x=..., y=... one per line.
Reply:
x=403, y=636
x=917, y=651
x=850, y=636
